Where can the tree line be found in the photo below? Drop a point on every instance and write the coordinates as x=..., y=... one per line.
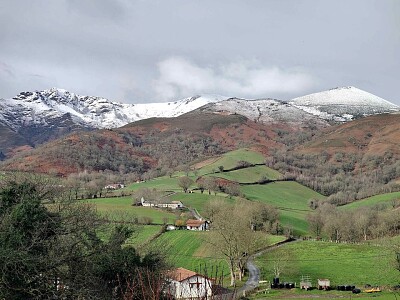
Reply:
x=356, y=225
x=343, y=177
x=50, y=248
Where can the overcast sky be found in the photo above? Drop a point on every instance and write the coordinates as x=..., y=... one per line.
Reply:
x=138, y=51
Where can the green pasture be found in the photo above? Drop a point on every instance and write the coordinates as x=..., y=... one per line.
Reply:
x=230, y=159
x=121, y=209
x=342, y=264
x=198, y=200
x=141, y=235
x=164, y=183
x=383, y=199
x=291, y=198
x=190, y=250
x=297, y=294
x=249, y=175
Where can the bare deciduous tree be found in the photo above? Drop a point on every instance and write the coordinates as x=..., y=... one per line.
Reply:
x=185, y=182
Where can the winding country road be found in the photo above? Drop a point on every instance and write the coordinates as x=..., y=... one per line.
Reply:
x=252, y=281
x=254, y=272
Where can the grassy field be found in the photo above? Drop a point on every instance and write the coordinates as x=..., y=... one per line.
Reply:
x=230, y=159
x=164, y=183
x=384, y=199
x=197, y=200
x=291, y=198
x=249, y=175
x=142, y=234
x=343, y=264
x=121, y=209
x=297, y=294
x=191, y=250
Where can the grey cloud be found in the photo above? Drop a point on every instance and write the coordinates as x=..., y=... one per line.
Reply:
x=120, y=49
x=180, y=77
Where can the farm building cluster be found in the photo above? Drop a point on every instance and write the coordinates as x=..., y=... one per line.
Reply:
x=162, y=204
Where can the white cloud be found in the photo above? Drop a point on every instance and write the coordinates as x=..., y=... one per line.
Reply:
x=179, y=77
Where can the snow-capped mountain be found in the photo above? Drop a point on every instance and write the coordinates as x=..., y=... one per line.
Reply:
x=343, y=104
x=58, y=107
x=32, y=118
x=268, y=111
x=40, y=107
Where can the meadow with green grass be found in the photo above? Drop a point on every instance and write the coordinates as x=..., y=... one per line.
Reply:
x=250, y=174
x=193, y=250
x=141, y=234
x=352, y=264
x=386, y=200
x=289, y=197
x=230, y=160
x=190, y=250
x=164, y=183
x=121, y=209
x=342, y=264
x=198, y=200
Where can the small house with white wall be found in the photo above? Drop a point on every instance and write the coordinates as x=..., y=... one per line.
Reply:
x=186, y=284
x=162, y=204
x=114, y=186
x=192, y=224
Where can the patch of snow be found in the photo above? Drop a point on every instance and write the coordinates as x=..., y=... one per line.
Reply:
x=342, y=104
x=94, y=112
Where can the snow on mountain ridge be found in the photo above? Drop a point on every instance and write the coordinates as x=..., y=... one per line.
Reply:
x=90, y=111
x=41, y=107
x=342, y=96
x=343, y=103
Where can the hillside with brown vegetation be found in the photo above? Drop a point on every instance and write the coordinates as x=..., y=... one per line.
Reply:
x=374, y=135
x=155, y=145
x=347, y=162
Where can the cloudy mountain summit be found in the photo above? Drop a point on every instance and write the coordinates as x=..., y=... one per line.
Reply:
x=343, y=104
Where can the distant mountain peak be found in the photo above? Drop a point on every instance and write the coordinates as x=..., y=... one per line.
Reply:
x=38, y=116
x=343, y=103
x=90, y=111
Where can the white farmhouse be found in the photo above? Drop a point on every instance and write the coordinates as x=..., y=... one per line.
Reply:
x=162, y=204
x=186, y=284
x=192, y=224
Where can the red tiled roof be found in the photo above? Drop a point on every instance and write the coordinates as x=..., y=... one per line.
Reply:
x=181, y=274
x=194, y=223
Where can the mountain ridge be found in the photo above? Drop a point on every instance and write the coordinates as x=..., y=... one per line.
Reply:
x=32, y=118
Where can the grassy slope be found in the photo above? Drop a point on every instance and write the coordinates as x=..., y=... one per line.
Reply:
x=197, y=200
x=141, y=233
x=192, y=250
x=230, y=159
x=291, y=198
x=163, y=183
x=249, y=175
x=341, y=263
x=384, y=199
x=121, y=209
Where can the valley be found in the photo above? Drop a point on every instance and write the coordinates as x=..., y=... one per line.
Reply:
x=330, y=184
